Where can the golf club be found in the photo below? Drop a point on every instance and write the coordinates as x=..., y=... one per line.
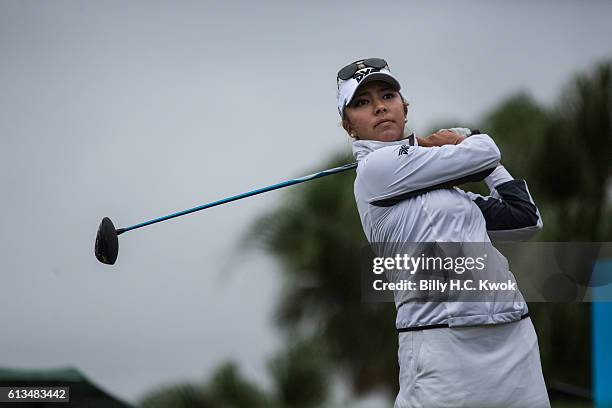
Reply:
x=107, y=238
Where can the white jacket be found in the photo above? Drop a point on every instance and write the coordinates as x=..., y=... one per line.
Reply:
x=404, y=193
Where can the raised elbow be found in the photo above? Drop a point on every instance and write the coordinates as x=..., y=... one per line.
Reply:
x=485, y=148
x=494, y=152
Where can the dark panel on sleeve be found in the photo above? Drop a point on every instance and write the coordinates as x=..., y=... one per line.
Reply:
x=514, y=210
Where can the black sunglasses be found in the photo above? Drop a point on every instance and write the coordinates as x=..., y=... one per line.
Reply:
x=348, y=71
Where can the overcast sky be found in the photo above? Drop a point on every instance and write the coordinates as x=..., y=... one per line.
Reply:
x=136, y=109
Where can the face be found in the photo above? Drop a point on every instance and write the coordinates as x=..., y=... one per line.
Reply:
x=376, y=112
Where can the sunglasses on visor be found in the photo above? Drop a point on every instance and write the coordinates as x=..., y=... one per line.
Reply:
x=348, y=71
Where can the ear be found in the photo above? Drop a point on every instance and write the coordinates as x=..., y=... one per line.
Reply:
x=347, y=125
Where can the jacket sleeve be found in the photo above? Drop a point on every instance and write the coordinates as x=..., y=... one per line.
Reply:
x=397, y=172
x=510, y=212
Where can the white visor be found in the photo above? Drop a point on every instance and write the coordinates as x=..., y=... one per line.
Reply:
x=347, y=88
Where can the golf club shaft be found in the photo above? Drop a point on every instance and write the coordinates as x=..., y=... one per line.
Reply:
x=243, y=195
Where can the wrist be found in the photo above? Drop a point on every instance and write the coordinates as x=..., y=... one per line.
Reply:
x=499, y=176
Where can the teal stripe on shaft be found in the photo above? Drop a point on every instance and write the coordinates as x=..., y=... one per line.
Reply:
x=243, y=195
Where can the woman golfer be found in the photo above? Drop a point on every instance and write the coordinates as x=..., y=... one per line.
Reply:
x=460, y=354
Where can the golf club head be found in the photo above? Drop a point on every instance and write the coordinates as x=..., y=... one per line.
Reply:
x=107, y=242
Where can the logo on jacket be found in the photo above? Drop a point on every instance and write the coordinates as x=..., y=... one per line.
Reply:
x=403, y=149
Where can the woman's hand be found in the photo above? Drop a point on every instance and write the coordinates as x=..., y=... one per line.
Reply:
x=441, y=138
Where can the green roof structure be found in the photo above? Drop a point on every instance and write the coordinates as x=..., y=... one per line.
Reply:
x=83, y=392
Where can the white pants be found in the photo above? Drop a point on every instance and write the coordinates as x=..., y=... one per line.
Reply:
x=480, y=366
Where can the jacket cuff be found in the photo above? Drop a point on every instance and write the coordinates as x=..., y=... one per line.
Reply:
x=500, y=175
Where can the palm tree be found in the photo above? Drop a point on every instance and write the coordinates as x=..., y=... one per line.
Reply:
x=317, y=236
x=225, y=389
x=299, y=376
x=572, y=172
x=575, y=160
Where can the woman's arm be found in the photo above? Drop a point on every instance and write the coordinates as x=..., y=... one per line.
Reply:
x=394, y=173
x=510, y=212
